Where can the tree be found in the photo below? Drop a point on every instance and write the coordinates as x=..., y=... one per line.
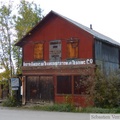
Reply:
x=6, y=38
x=29, y=14
x=12, y=28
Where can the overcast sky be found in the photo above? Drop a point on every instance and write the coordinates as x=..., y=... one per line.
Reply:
x=104, y=15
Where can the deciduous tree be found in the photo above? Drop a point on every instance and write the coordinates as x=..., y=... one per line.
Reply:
x=29, y=14
x=13, y=26
x=6, y=38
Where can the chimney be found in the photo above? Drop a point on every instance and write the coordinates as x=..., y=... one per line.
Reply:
x=90, y=26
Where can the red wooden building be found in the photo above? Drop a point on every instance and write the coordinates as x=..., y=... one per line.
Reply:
x=58, y=54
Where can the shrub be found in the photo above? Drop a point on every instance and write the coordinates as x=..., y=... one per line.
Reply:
x=62, y=107
x=11, y=101
x=100, y=110
x=56, y=107
x=106, y=90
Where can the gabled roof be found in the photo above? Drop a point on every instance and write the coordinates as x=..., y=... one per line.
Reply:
x=96, y=34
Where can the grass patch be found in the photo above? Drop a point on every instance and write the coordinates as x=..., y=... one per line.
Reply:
x=100, y=110
x=55, y=107
x=71, y=108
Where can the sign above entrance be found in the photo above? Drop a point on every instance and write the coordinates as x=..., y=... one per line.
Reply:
x=72, y=62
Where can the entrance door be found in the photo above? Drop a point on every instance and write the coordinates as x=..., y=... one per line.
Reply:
x=40, y=88
x=46, y=88
x=32, y=88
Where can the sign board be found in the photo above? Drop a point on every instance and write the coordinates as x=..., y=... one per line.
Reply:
x=14, y=83
x=72, y=62
x=15, y=88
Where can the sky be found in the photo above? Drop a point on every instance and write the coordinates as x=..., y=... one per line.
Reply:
x=104, y=15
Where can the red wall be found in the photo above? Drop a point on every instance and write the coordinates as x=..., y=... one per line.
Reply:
x=77, y=100
x=57, y=28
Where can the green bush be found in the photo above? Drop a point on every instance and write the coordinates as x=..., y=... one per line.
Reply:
x=100, y=110
x=62, y=107
x=106, y=92
x=11, y=102
x=70, y=108
x=56, y=107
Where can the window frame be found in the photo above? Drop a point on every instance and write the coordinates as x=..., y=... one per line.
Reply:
x=72, y=48
x=68, y=89
x=55, y=50
x=82, y=86
x=35, y=51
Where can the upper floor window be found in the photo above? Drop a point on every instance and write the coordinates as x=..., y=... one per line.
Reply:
x=72, y=48
x=55, y=50
x=38, y=51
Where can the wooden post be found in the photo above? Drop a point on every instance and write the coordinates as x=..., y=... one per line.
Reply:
x=23, y=90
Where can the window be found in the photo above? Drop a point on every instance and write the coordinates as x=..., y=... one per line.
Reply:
x=55, y=50
x=72, y=48
x=38, y=51
x=64, y=85
x=81, y=84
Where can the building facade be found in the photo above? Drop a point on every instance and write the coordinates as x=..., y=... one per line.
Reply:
x=59, y=54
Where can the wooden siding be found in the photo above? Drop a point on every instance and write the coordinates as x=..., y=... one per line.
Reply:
x=106, y=56
x=59, y=29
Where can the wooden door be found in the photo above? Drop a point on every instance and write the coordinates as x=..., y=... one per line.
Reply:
x=46, y=88
x=40, y=88
x=32, y=88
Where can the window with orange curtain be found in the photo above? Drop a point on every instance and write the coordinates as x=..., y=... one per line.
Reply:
x=38, y=51
x=72, y=49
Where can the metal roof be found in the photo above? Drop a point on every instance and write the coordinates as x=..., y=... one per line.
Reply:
x=96, y=34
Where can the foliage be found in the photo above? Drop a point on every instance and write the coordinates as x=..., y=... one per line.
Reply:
x=56, y=107
x=6, y=36
x=5, y=75
x=106, y=90
x=5, y=84
x=100, y=110
x=29, y=14
x=11, y=101
x=68, y=99
x=15, y=22
x=71, y=108
x=62, y=108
